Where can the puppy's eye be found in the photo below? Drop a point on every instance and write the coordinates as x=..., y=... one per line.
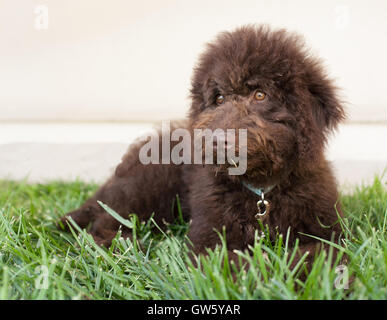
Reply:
x=259, y=96
x=219, y=99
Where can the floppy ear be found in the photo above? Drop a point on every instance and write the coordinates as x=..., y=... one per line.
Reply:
x=327, y=108
x=326, y=112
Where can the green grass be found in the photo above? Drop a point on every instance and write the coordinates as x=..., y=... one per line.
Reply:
x=37, y=261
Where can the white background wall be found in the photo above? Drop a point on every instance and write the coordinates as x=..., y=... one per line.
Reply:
x=126, y=60
x=132, y=60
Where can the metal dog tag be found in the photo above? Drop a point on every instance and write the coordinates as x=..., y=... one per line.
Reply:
x=263, y=207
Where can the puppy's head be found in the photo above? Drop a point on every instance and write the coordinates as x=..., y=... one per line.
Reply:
x=266, y=82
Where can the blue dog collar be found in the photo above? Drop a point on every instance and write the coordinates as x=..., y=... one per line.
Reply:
x=258, y=191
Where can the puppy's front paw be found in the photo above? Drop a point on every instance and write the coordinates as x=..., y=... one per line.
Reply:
x=82, y=217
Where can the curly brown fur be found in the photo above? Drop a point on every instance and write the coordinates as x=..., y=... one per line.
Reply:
x=287, y=133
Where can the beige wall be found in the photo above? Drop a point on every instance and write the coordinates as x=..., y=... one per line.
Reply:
x=132, y=60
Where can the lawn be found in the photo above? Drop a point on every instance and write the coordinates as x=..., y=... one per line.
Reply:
x=37, y=261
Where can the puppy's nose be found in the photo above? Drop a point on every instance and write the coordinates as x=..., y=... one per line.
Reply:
x=223, y=139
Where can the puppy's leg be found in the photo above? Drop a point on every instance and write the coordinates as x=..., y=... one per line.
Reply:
x=134, y=188
x=86, y=214
x=104, y=229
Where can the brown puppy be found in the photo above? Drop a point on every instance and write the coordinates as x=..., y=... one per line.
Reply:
x=255, y=79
